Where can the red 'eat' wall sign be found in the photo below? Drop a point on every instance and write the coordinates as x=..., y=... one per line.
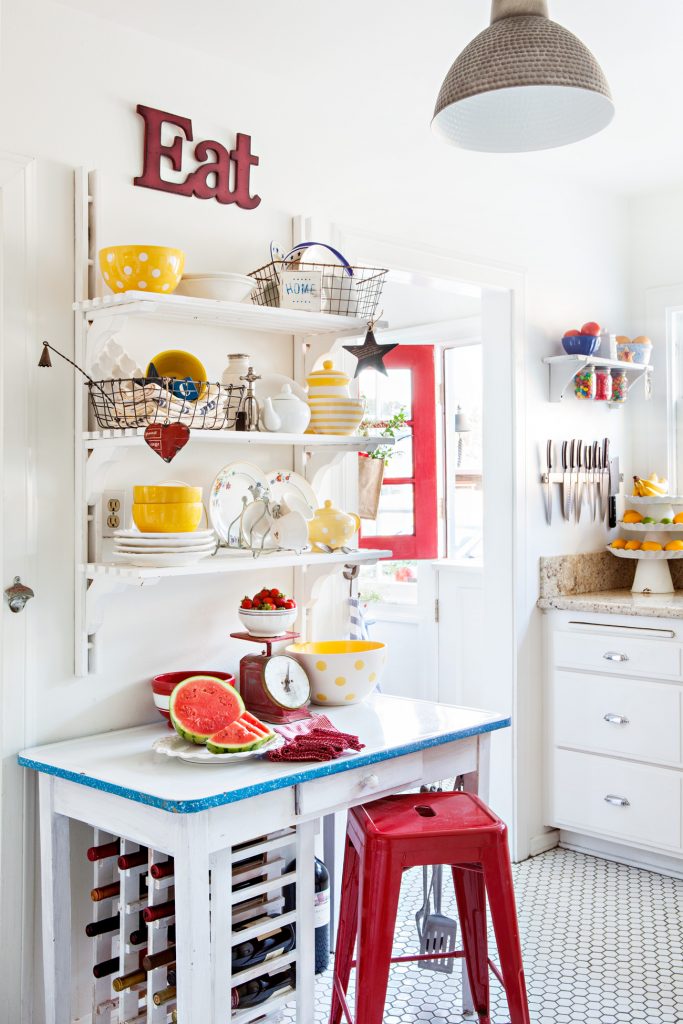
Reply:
x=223, y=174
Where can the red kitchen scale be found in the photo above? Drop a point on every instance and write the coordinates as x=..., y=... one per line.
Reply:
x=274, y=687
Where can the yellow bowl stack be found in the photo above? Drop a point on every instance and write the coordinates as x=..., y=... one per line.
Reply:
x=167, y=508
x=333, y=411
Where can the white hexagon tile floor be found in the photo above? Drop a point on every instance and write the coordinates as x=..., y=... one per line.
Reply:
x=602, y=943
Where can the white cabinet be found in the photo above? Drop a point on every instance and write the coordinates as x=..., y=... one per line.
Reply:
x=614, y=729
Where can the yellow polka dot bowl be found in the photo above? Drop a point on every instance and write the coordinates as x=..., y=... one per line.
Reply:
x=340, y=671
x=142, y=268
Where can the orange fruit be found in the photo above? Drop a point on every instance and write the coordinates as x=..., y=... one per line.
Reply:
x=678, y=518
x=631, y=516
x=618, y=543
x=632, y=545
x=675, y=545
x=651, y=545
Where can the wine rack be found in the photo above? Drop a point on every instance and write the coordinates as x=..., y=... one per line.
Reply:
x=132, y=930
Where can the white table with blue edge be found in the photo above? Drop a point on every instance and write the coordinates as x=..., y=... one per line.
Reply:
x=115, y=783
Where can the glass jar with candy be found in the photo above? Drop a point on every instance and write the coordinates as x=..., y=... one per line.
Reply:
x=619, y=386
x=603, y=384
x=584, y=383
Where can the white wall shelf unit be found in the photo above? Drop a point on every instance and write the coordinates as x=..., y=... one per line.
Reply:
x=563, y=369
x=97, y=319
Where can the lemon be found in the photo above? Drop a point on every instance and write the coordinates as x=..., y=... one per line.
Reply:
x=651, y=545
x=618, y=543
x=632, y=545
x=675, y=545
x=631, y=516
x=678, y=518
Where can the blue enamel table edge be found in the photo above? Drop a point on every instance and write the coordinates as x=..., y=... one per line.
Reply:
x=65, y=759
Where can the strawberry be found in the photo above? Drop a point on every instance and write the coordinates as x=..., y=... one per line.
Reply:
x=290, y=603
x=275, y=593
x=247, y=603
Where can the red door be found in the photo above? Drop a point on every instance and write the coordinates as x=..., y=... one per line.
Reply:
x=407, y=518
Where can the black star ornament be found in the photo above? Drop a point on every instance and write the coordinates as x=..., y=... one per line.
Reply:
x=370, y=355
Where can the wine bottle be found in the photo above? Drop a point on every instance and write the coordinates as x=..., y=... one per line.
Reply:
x=104, y=851
x=137, y=937
x=162, y=870
x=158, y=911
x=106, y=967
x=266, y=987
x=106, y=924
x=132, y=860
x=105, y=892
x=153, y=960
x=128, y=980
x=321, y=912
x=164, y=996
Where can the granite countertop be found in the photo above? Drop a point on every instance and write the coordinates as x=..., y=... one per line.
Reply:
x=600, y=583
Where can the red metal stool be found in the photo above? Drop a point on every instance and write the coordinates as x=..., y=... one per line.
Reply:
x=385, y=838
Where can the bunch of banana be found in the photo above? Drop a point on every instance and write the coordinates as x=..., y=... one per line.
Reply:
x=650, y=487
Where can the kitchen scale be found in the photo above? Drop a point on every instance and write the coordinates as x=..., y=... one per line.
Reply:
x=274, y=687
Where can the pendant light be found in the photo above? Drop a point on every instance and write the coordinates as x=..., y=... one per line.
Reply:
x=525, y=83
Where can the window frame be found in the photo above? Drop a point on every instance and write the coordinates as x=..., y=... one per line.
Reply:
x=423, y=543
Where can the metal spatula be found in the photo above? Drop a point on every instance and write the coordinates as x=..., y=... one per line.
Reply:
x=439, y=932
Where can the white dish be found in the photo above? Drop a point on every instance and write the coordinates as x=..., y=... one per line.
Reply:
x=144, y=538
x=658, y=499
x=120, y=549
x=164, y=560
x=271, y=385
x=230, y=486
x=257, y=526
x=171, y=545
x=176, y=746
x=291, y=532
x=652, y=527
x=224, y=287
x=267, y=623
x=284, y=482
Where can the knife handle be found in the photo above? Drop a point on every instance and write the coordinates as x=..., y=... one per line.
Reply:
x=549, y=456
x=612, y=521
x=564, y=454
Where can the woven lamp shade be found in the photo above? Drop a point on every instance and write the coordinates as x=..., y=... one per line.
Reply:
x=525, y=83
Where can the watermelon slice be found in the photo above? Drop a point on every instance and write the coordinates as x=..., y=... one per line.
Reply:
x=203, y=705
x=256, y=723
x=235, y=738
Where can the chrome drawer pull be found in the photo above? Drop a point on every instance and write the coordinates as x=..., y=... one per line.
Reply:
x=617, y=801
x=615, y=656
x=615, y=719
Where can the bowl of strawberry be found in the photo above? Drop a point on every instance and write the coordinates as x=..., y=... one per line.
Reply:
x=268, y=613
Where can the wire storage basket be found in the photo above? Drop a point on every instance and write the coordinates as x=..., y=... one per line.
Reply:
x=137, y=402
x=345, y=290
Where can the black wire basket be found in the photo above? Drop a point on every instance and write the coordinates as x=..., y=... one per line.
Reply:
x=356, y=294
x=137, y=402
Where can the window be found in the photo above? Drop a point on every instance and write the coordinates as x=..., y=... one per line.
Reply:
x=464, y=494
x=407, y=517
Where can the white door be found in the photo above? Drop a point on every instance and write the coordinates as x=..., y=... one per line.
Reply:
x=19, y=352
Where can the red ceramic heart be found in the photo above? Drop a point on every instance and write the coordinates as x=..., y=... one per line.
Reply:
x=166, y=439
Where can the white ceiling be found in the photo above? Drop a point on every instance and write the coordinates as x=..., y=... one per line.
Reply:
x=381, y=62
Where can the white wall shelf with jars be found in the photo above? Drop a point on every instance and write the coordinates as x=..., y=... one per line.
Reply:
x=99, y=318
x=563, y=369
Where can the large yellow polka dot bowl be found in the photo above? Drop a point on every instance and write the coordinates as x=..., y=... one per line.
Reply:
x=142, y=268
x=340, y=671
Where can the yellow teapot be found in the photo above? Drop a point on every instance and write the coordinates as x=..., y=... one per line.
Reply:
x=331, y=528
x=333, y=411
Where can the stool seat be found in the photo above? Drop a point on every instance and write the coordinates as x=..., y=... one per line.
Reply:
x=385, y=838
x=430, y=815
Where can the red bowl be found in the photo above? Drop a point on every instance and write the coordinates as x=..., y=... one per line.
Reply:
x=164, y=684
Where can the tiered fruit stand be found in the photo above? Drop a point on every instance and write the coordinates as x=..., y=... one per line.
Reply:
x=653, y=575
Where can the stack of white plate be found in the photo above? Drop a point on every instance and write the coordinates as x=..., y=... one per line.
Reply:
x=163, y=550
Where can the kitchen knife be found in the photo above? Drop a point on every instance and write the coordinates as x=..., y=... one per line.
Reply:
x=595, y=486
x=566, y=483
x=572, y=467
x=588, y=461
x=549, y=486
x=614, y=487
x=579, y=480
x=604, y=484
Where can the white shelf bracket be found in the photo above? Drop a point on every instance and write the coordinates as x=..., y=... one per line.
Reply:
x=100, y=330
x=318, y=461
x=97, y=593
x=97, y=466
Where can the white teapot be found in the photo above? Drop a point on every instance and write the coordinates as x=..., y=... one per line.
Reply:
x=284, y=413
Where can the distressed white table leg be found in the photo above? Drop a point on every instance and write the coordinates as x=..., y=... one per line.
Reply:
x=478, y=783
x=221, y=934
x=55, y=877
x=334, y=833
x=305, y=923
x=192, y=909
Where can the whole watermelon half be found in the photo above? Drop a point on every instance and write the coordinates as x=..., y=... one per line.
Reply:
x=237, y=737
x=203, y=705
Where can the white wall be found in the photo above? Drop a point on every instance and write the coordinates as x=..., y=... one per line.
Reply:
x=70, y=84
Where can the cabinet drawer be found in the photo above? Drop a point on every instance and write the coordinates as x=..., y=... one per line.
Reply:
x=629, y=717
x=651, y=808
x=622, y=655
x=359, y=784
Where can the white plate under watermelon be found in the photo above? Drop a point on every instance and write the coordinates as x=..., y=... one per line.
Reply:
x=173, y=745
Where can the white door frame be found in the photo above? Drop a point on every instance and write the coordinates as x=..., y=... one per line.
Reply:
x=502, y=331
x=19, y=352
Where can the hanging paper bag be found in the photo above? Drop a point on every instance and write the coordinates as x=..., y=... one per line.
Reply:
x=370, y=476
